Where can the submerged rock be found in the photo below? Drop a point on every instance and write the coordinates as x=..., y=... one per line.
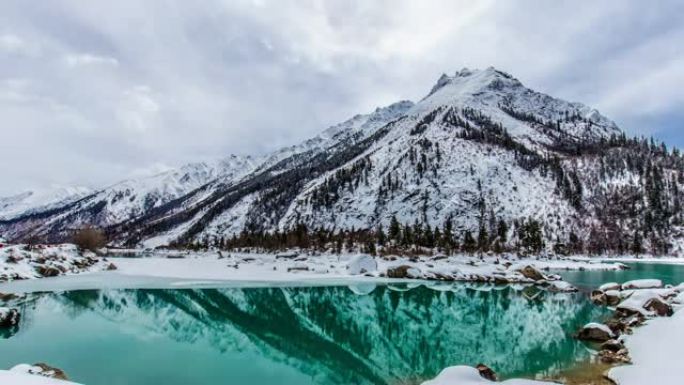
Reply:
x=9, y=317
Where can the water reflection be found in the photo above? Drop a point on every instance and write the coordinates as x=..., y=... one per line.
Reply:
x=360, y=334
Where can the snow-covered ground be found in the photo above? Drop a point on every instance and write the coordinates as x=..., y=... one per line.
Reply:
x=656, y=350
x=177, y=269
x=19, y=262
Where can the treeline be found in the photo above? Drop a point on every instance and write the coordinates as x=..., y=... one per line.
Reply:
x=525, y=237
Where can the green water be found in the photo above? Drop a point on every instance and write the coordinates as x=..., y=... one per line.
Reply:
x=308, y=335
x=589, y=280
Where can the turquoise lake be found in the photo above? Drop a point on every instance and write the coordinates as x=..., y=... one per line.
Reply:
x=328, y=335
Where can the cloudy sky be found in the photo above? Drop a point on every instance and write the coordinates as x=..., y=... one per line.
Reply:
x=95, y=91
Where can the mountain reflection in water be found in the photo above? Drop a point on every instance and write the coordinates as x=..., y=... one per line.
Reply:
x=361, y=334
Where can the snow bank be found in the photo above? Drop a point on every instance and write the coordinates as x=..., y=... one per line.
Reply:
x=656, y=350
x=465, y=375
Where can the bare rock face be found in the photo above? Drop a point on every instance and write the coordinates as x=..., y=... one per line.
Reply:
x=486, y=372
x=530, y=272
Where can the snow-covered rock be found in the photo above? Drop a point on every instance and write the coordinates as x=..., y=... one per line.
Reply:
x=21, y=262
x=362, y=264
x=595, y=332
x=38, y=374
x=40, y=369
x=642, y=284
x=465, y=375
x=610, y=286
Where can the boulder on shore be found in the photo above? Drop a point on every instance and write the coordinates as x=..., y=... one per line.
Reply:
x=532, y=273
x=41, y=369
x=403, y=271
x=486, y=372
x=659, y=307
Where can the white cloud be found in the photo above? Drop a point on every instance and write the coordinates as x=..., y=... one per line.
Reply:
x=13, y=44
x=86, y=59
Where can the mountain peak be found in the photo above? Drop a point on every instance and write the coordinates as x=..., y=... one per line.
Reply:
x=474, y=80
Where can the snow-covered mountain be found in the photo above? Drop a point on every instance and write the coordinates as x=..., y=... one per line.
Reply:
x=479, y=149
x=123, y=200
x=37, y=200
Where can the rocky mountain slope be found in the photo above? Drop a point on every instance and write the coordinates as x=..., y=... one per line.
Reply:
x=480, y=152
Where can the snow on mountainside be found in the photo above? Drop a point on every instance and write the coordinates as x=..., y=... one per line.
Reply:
x=479, y=150
x=129, y=198
x=36, y=200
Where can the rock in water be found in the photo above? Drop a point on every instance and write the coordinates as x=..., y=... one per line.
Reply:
x=9, y=317
x=530, y=272
x=595, y=332
x=486, y=372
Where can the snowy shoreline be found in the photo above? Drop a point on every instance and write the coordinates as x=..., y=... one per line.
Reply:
x=175, y=270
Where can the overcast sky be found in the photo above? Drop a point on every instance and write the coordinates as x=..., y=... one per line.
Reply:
x=95, y=91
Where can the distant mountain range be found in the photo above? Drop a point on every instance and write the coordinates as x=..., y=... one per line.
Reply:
x=479, y=150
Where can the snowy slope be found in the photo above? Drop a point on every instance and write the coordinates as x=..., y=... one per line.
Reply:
x=37, y=200
x=128, y=199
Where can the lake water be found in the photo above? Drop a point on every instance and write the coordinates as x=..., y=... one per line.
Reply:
x=589, y=280
x=363, y=334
